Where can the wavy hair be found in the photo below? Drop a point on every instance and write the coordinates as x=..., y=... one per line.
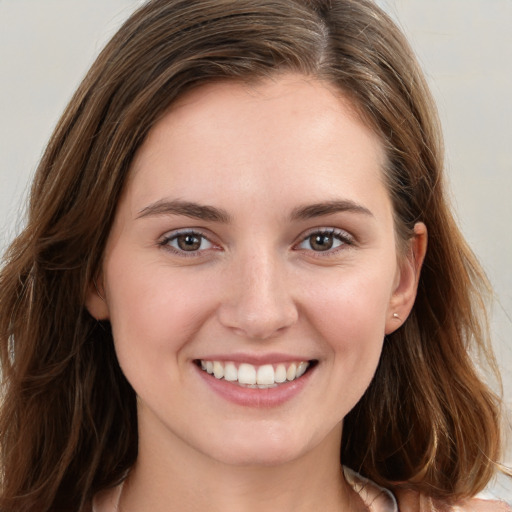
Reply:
x=68, y=425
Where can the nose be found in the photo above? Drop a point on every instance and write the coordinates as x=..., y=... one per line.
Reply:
x=258, y=303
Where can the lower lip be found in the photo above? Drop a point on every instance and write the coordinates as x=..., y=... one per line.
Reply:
x=255, y=397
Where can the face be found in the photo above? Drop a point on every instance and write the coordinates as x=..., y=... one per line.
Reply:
x=251, y=272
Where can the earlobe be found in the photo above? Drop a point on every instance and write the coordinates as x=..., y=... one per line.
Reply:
x=406, y=288
x=95, y=301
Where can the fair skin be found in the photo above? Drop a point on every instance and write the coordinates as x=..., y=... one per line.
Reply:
x=255, y=230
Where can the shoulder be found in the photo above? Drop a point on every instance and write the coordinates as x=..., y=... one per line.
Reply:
x=378, y=499
x=409, y=501
x=477, y=505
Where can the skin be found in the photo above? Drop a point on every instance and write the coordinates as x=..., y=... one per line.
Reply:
x=256, y=286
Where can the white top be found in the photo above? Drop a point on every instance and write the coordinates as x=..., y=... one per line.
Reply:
x=375, y=497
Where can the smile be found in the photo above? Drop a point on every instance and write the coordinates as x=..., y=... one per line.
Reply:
x=251, y=376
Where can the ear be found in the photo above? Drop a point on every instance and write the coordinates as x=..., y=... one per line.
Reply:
x=408, y=275
x=95, y=301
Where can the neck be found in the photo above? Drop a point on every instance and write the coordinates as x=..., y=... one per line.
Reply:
x=188, y=481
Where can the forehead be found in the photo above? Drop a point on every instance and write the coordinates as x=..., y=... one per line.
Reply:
x=292, y=131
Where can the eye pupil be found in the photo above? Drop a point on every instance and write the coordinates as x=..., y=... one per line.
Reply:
x=189, y=242
x=321, y=242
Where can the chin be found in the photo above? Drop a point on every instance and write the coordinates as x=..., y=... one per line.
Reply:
x=263, y=449
x=256, y=457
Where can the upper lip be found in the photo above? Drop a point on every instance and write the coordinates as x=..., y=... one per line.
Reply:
x=256, y=359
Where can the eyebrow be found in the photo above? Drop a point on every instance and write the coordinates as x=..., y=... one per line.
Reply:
x=186, y=208
x=328, y=208
x=213, y=214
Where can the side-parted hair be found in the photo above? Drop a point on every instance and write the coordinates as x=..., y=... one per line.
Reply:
x=68, y=425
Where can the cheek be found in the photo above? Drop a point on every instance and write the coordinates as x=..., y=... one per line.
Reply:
x=350, y=319
x=352, y=304
x=350, y=315
x=154, y=307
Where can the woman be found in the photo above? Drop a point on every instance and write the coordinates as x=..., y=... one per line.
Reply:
x=224, y=286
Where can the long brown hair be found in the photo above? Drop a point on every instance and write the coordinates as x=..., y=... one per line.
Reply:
x=68, y=423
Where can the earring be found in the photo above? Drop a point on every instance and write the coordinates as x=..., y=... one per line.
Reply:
x=397, y=317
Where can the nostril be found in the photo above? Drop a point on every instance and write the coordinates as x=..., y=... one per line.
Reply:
x=257, y=324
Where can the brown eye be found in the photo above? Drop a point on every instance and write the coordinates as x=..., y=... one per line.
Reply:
x=321, y=242
x=189, y=242
x=326, y=240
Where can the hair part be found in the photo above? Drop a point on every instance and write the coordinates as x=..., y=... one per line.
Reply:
x=68, y=425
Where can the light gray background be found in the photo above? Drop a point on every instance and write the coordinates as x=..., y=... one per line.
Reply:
x=465, y=47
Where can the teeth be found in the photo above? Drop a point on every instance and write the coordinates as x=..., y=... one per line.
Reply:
x=230, y=372
x=218, y=370
x=248, y=375
x=265, y=374
x=291, y=373
x=301, y=369
x=280, y=373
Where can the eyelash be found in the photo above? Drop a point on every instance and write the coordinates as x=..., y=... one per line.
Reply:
x=344, y=239
x=175, y=235
x=341, y=236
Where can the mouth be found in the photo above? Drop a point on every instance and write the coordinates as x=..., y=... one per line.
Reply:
x=247, y=375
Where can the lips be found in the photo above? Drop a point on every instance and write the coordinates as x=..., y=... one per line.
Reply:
x=255, y=376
